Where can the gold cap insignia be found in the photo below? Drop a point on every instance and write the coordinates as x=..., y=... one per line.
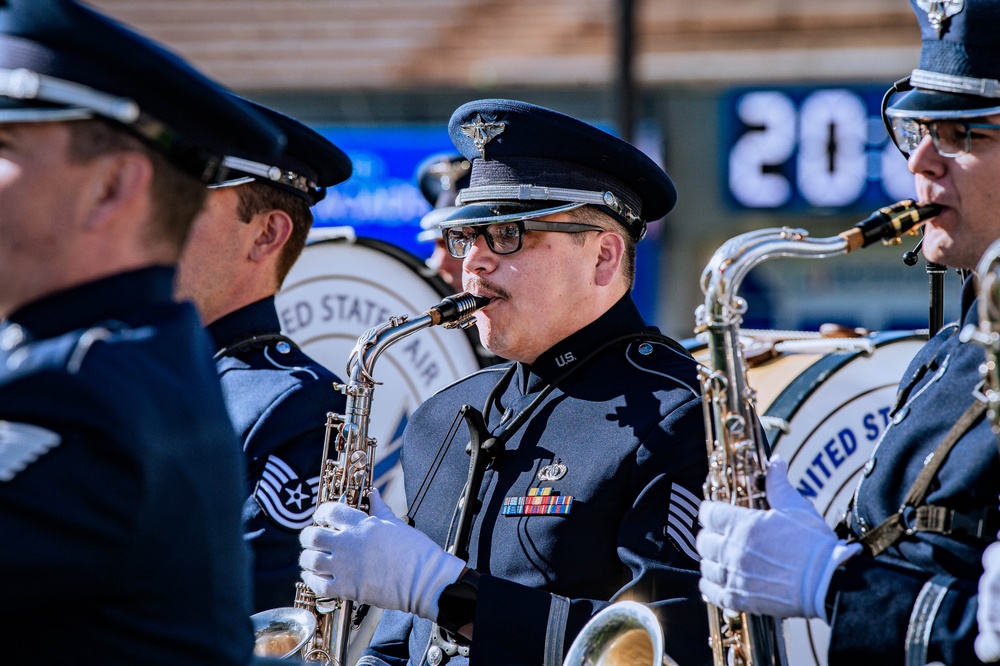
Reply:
x=482, y=133
x=939, y=11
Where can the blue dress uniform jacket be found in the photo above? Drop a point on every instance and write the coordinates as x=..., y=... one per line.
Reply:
x=624, y=438
x=121, y=540
x=916, y=602
x=278, y=399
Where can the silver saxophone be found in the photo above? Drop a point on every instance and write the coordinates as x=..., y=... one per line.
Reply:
x=319, y=629
x=737, y=449
x=987, y=332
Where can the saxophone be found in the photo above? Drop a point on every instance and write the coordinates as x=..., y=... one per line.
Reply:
x=987, y=333
x=737, y=449
x=319, y=629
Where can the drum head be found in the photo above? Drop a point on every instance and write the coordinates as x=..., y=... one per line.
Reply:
x=342, y=286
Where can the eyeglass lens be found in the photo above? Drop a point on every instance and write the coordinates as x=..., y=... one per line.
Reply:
x=502, y=238
x=951, y=139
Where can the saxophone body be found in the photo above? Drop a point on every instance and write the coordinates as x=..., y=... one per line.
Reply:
x=347, y=476
x=737, y=449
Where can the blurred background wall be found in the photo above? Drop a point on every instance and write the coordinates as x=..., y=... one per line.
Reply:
x=764, y=112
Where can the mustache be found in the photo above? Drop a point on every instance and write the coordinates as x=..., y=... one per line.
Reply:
x=479, y=285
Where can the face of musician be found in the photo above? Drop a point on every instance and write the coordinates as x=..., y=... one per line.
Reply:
x=64, y=219
x=228, y=262
x=556, y=284
x=967, y=187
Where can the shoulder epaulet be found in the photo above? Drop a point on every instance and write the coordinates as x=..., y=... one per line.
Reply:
x=657, y=356
x=65, y=352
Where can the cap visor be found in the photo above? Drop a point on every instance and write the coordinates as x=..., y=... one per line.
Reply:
x=935, y=105
x=504, y=211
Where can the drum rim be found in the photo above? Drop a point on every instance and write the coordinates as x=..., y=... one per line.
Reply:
x=791, y=398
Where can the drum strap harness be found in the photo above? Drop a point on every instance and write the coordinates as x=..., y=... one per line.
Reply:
x=928, y=517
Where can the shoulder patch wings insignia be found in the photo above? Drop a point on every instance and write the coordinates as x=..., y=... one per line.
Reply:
x=22, y=444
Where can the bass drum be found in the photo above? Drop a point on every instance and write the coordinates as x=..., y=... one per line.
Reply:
x=342, y=286
x=823, y=403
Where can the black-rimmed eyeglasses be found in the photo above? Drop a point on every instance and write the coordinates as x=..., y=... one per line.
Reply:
x=952, y=138
x=504, y=237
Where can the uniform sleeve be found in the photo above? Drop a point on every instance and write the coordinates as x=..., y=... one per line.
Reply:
x=888, y=614
x=389, y=644
x=655, y=547
x=284, y=447
x=79, y=497
x=284, y=497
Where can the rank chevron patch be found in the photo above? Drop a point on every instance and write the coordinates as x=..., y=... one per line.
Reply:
x=22, y=444
x=682, y=514
x=286, y=499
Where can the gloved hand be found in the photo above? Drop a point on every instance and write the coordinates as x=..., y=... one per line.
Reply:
x=775, y=562
x=988, y=614
x=375, y=559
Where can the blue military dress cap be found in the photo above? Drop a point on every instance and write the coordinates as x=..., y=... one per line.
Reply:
x=60, y=60
x=959, y=72
x=530, y=162
x=440, y=178
x=308, y=165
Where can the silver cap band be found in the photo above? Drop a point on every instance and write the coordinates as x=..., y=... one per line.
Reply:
x=26, y=84
x=921, y=78
x=542, y=193
x=271, y=173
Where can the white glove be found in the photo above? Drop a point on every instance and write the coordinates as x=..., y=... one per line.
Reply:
x=988, y=614
x=375, y=559
x=775, y=562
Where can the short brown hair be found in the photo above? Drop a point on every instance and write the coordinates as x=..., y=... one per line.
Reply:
x=257, y=197
x=177, y=197
x=595, y=216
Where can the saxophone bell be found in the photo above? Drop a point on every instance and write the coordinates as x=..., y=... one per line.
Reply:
x=281, y=632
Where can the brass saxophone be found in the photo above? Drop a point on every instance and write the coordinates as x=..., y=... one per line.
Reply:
x=987, y=333
x=737, y=449
x=319, y=629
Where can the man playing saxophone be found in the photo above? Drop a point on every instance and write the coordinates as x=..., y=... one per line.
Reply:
x=253, y=228
x=592, y=433
x=899, y=584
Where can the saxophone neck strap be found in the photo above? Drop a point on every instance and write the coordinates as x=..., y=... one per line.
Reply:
x=928, y=517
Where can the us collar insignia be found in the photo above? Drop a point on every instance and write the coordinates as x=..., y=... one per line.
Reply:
x=482, y=133
x=538, y=502
x=939, y=11
x=552, y=472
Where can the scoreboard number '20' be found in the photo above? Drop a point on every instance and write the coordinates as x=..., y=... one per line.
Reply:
x=815, y=148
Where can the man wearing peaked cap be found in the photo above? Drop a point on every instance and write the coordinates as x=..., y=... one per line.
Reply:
x=441, y=177
x=242, y=246
x=898, y=582
x=120, y=478
x=593, y=432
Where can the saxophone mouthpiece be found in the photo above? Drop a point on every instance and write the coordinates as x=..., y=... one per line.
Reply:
x=457, y=310
x=889, y=223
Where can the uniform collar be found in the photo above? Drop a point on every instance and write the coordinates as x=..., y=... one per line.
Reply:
x=87, y=304
x=622, y=318
x=257, y=318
